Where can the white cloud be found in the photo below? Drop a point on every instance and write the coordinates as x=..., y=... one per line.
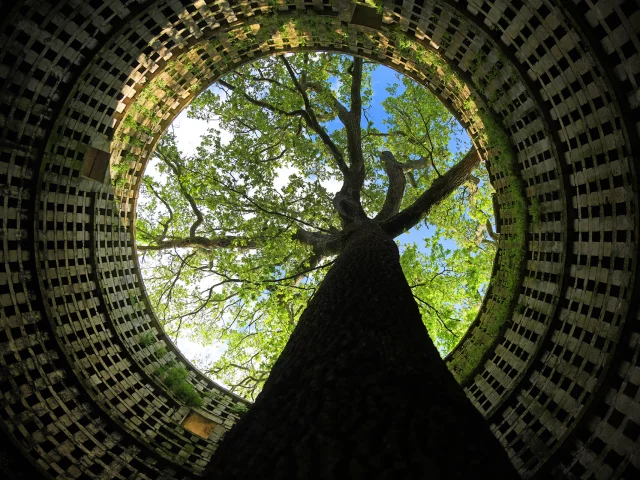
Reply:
x=193, y=350
x=282, y=176
x=189, y=131
x=152, y=169
x=332, y=185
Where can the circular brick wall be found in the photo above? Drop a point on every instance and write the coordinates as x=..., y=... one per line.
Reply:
x=548, y=92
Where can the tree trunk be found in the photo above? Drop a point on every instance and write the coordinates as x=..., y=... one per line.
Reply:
x=360, y=391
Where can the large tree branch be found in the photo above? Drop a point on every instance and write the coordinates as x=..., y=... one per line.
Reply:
x=263, y=104
x=397, y=183
x=312, y=120
x=411, y=165
x=314, y=239
x=440, y=189
x=165, y=225
x=347, y=200
x=397, y=180
x=175, y=168
x=356, y=86
x=227, y=241
x=263, y=79
x=339, y=108
x=354, y=131
x=323, y=244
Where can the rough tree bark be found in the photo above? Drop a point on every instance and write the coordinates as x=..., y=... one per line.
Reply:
x=360, y=391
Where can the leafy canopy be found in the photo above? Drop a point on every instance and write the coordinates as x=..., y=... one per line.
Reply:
x=235, y=239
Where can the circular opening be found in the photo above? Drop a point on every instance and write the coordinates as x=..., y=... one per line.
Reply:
x=558, y=84
x=173, y=87
x=241, y=211
x=559, y=79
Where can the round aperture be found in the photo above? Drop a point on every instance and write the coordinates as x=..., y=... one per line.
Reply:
x=244, y=203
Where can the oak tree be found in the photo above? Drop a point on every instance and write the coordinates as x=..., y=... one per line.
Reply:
x=236, y=238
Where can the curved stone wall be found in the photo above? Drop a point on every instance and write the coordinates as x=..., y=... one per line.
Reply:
x=547, y=90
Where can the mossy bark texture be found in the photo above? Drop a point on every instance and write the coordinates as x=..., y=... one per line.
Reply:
x=360, y=391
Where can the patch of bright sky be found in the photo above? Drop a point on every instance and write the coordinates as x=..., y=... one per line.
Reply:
x=200, y=355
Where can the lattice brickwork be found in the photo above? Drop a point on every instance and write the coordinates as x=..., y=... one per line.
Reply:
x=560, y=385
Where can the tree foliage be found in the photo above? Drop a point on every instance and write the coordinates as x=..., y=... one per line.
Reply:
x=231, y=253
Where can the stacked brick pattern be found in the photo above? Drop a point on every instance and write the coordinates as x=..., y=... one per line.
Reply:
x=561, y=385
